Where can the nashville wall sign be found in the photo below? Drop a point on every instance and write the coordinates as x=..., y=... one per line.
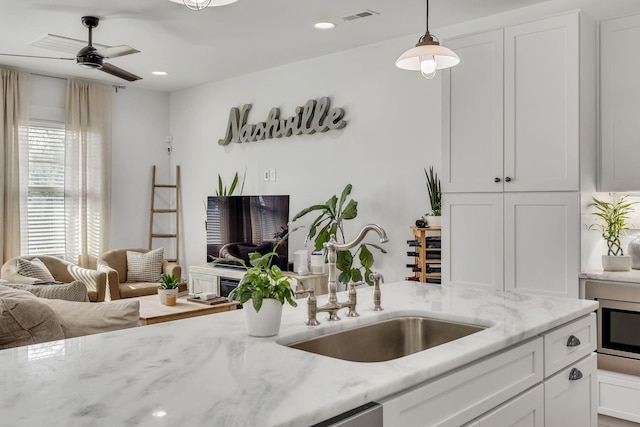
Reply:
x=314, y=116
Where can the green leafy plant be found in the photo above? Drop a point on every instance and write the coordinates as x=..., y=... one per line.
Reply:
x=222, y=189
x=333, y=213
x=263, y=280
x=169, y=281
x=615, y=216
x=435, y=191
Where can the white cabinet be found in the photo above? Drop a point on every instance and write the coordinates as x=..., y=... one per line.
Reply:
x=512, y=241
x=511, y=109
x=620, y=104
x=570, y=395
x=473, y=115
x=526, y=410
x=463, y=395
x=509, y=389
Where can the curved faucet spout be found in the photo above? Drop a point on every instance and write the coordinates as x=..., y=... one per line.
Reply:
x=369, y=227
x=333, y=247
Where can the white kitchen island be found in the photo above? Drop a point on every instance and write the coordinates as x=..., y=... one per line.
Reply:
x=206, y=371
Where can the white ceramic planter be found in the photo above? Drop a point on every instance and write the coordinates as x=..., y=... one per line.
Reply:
x=163, y=292
x=433, y=221
x=266, y=322
x=616, y=263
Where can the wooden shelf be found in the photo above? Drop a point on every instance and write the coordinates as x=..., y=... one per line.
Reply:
x=422, y=235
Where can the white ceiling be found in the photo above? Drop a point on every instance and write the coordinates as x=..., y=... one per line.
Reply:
x=220, y=42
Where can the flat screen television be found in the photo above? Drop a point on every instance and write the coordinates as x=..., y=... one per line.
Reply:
x=239, y=225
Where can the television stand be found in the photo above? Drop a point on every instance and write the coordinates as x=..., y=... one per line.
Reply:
x=207, y=278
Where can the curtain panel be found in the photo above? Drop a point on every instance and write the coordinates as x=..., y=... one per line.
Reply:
x=87, y=171
x=14, y=120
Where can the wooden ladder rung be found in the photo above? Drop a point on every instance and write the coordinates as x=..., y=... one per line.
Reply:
x=165, y=211
x=164, y=186
x=163, y=236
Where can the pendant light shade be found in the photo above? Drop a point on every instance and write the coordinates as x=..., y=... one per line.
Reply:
x=203, y=4
x=427, y=56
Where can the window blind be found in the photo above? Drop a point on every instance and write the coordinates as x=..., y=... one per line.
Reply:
x=45, y=196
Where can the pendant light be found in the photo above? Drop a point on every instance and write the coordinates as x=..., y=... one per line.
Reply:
x=428, y=56
x=203, y=4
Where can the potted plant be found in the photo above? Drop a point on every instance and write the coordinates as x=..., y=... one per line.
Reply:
x=168, y=285
x=433, y=218
x=267, y=287
x=333, y=213
x=614, y=218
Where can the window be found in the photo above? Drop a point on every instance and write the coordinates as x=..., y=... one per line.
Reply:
x=45, y=193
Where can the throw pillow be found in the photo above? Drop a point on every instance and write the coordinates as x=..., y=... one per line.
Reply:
x=78, y=319
x=34, y=269
x=145, y=267
x=26, y=320
x=74, y=291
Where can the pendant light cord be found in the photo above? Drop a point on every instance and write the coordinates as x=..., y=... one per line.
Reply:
x=427, y=17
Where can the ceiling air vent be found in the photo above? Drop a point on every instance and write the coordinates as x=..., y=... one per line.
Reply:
x=367, y=13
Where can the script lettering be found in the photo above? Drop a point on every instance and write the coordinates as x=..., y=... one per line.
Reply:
x=314, y=116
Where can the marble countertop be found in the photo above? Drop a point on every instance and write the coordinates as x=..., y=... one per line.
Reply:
x=207, y=371
x=632, y=276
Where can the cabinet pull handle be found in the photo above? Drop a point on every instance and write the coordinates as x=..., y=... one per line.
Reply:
x=496, y=179
x=575, y=374
x=573, y=341
x=507, y=179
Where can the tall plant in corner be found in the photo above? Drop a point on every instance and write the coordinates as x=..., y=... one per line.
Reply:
x=333, y=213
x=434, y=190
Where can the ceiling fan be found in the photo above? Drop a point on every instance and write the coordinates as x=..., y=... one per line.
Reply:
x=90, y=57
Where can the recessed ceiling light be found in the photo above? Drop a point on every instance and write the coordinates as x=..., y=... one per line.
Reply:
x=159, y=73
x=159, y=414
x=324, y=25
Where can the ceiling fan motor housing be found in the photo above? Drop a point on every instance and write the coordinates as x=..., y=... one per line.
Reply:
x=88, y=58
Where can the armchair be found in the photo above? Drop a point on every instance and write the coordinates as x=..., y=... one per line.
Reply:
x=114, y=264
x=62, y=271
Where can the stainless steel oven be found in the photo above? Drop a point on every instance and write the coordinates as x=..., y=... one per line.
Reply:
x=618, y=325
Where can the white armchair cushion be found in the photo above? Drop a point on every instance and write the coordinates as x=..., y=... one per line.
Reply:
x=145, y=267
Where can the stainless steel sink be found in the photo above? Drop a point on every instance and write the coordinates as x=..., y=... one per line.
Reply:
x=387, y=340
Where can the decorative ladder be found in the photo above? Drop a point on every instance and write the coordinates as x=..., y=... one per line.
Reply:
x=176, y=211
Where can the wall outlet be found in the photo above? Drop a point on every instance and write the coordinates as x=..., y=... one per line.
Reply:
x=266, y=175
x=272, y=175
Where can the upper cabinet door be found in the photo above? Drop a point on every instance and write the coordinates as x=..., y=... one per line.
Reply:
x=542, y=84
x=620, y=104
x=473, y=115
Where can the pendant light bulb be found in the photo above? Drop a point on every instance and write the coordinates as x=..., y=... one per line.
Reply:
x=427, y=56
x=428, y=67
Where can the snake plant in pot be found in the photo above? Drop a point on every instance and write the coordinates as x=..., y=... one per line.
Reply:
x=434, y=190
x=613, y=221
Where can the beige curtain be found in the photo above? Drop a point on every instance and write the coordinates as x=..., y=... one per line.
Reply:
x=87, y=171
x=14, y=119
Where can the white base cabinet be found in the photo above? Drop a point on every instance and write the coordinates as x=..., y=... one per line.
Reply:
x=514, y=388
x=526, y=410
x=570, y=395
x=526, y=242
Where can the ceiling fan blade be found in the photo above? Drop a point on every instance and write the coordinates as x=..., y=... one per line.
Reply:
x=115, y=51
x=35, y=56
x=119, y=72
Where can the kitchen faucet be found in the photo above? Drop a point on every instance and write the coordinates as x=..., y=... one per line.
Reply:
x=333, y=305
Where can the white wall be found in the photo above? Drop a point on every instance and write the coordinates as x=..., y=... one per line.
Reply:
x=140, y=126
x=393, y=132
